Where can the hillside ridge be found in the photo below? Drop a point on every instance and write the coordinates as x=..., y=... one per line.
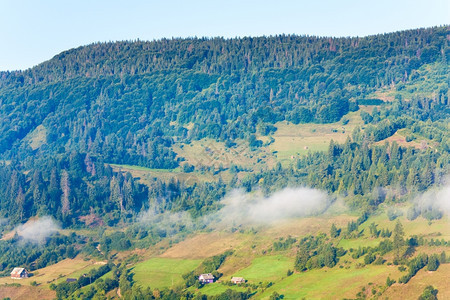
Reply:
x=141, y=57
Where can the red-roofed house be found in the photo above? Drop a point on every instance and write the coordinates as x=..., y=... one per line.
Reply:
x=19, y=273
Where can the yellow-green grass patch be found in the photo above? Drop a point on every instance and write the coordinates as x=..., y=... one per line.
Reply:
x=292, y=140
x=439, y=279
x=145, y=175
x=163, y=272
x=216, y=288
x=359, y=242
x=420, y=226
x=209, y=152
x=86, y=288
x=56, y=273
x=309, y=225
x=205, y=245
x=266, y=268
x=335, y=283
x=37, y=137
x=26, y=292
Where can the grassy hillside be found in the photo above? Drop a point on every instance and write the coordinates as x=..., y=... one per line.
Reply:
x=305, y=164
x=265, y=268
x=347, y=279
x=256, y=260
x=212, y=159
x=162, y=272
x=38, y=285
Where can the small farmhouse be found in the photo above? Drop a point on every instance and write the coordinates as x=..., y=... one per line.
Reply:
x=19, y=273
x=69, y=280
x=206, y=278
x=237, y=280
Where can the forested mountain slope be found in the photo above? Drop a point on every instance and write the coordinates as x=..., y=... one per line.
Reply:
x=122, y=96
x=131, y=102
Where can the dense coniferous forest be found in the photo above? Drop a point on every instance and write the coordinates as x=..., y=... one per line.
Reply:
x=131, y=102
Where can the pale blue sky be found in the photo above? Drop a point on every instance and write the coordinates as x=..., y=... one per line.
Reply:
x=32, y=31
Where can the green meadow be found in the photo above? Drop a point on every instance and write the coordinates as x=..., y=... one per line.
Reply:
x=328, y=283
x=162, y=272
x=219, y=288
x=266, y=268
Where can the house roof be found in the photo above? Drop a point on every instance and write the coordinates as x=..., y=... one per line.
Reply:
x=237, y=279
x=17, y=271
x=206, y=276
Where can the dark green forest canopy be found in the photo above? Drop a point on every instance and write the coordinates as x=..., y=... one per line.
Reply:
x=127, y=100
x=405, y=49
x=131, y=102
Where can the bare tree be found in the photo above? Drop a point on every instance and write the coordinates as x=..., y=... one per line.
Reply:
x=65, y=187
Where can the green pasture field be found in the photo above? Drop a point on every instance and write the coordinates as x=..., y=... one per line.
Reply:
x=292, y=140
x=59, y=272
x=217, y=288
x=266, y=268
x=335, y=283
x=163, y=272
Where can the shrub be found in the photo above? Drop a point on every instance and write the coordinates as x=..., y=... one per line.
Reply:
x=369, y=258
x=389, y=282
x=429, y=293
x=433, y=263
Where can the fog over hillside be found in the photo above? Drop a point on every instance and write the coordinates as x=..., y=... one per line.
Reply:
x=245, y=208
x=37, y=230
x=241, y=208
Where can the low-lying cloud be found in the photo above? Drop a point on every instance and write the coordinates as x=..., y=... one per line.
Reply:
x=166, y=220
x=434, y=200
x=240, y=208
x=37, y=230
x=246, y=208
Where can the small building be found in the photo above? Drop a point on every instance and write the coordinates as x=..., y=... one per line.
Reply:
x=69, y=280
x=237, y=280
x=19, y=273
x=206, y=278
